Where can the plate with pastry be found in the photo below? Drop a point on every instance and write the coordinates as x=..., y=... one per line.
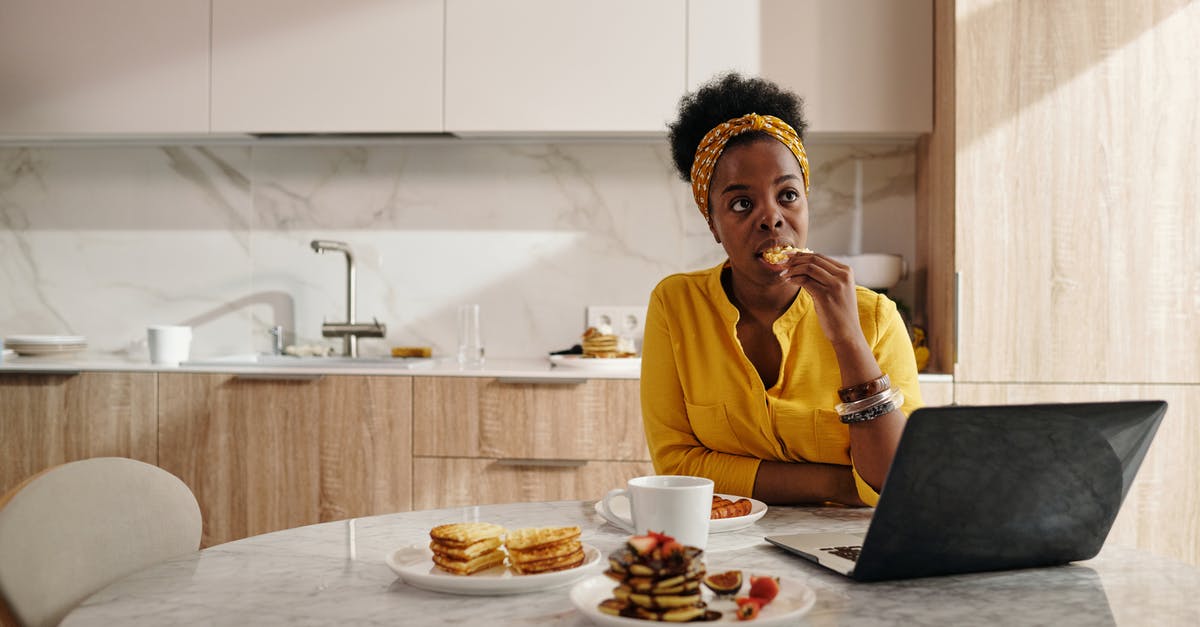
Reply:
x=729, y=513
x=486, y=559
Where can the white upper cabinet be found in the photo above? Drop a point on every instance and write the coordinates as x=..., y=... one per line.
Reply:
x=564, y=66
x=114, y=67
x=312, y=66
x=723, y=37
x=862, y=66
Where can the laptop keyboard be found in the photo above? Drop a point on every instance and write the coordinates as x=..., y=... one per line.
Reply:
x=845, y=552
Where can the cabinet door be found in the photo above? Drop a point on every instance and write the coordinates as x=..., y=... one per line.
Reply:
x=363, y=66
x=1077, y=193
x=1161, y=513
x=119, y=66
x=563, y=66
x=265, y=455
x=862, y=66
x=934, y=393
x=599, y=419
x=51, y=419
x=456, y=482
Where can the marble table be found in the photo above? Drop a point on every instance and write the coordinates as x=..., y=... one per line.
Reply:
x=334, y=573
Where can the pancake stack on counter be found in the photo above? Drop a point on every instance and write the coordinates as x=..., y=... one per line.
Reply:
x=659, y=579
x=543, y=549
x=601, y=342
x=466, y=548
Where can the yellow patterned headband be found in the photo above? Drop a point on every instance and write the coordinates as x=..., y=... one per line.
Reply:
x=714, y=143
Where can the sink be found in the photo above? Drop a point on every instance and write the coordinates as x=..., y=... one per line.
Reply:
x=289, y=361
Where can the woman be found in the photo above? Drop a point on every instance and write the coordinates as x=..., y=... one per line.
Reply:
x=782, y=381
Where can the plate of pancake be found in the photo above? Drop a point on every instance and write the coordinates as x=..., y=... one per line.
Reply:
x=486, y=559
x=754, y=509
x=584, y=362
x=795, y=599
x=655, y=578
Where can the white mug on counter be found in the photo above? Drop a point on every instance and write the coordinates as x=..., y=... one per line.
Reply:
x=169, y=344
x=677, y=505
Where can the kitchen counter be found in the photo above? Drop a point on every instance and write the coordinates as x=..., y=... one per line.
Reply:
x=526, y=368
x=334, y=573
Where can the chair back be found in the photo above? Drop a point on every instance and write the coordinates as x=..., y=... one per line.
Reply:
x=71, y=530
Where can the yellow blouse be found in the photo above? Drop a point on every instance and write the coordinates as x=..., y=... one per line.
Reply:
x=704, y=406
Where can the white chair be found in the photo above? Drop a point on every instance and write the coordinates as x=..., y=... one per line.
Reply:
x=71, y=530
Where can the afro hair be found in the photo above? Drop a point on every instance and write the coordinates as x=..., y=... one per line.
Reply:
x=724, y=98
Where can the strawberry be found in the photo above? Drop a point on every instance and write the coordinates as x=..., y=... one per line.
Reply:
x=748, y=607
x=643, y=545
x=764, y=588
x=670, y=547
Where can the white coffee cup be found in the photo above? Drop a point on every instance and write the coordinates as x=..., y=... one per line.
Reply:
x=677, y=505
x=169, y=344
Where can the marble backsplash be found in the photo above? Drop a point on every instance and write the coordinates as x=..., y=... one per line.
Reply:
x=102, y=241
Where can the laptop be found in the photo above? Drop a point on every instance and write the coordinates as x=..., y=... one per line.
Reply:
x=993, y=488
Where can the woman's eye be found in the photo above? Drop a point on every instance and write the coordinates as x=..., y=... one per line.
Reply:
x=740, y=205
x=790, y=195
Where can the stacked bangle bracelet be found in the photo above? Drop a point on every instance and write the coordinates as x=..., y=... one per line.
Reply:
x=864, y=390
x=870, y=407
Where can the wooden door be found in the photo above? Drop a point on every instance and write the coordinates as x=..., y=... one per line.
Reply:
x=1076, y=191
x=264, y=455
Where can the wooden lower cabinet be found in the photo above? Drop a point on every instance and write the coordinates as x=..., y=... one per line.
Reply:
x=1161, y=513
x=263, y=455
x=935, y=393
x=596, y=419
x=454, y=482
x=51, y=419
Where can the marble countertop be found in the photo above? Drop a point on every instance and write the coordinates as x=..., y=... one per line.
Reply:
x=520, y=368
x=334, y=573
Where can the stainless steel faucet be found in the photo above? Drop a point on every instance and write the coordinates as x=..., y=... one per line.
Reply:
x=350, y=330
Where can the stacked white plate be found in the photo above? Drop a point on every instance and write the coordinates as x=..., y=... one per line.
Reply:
x=45, y=344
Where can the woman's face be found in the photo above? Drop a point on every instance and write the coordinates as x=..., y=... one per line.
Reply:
x=756, y=202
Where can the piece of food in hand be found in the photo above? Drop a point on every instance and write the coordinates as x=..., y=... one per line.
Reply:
x=725, y=508
x=765, y=588
x=601, y=342
x=726, y=584
x=466, y=548
x=779, y=254
x=659, y=579
x=536, y=550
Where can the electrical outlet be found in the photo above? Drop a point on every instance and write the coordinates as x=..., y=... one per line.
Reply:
x=625, y=320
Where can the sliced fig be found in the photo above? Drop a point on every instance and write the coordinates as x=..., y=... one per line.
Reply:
x=724, y=584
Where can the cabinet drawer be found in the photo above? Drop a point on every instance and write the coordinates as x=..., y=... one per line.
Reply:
x=598, y=419
x=452, y=482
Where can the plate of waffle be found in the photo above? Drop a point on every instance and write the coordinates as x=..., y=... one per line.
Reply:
x=729, y=512
x=486, y=559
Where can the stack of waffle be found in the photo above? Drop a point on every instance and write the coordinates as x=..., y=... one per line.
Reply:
x=601, y=342
x=659, y=580
x=543, y=549
x=466, y=548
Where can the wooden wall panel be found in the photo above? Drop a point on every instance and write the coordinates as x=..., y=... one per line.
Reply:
x=49, y=419
x=1077, y=195
x=1162, y=511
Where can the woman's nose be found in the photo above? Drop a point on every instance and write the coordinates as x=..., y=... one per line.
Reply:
x=771, y=218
